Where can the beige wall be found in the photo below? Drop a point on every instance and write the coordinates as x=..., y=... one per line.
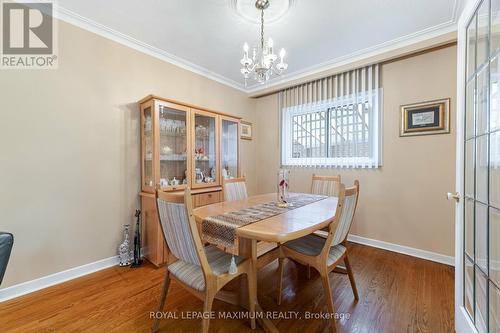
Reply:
x=403, y=202
x=69, y=143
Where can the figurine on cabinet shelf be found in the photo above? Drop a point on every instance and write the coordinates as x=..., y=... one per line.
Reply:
x=167, y=150
x=199, y=153
x=199, y=176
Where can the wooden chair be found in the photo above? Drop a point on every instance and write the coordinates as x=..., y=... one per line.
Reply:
x=325, y=185
x=235, y=189
x=201, y=270
x=324, y=254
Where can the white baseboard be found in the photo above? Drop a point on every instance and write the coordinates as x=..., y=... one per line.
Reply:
x=432, y=256
x=56, y=278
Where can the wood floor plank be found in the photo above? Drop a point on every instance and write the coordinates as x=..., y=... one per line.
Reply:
x=397, y=293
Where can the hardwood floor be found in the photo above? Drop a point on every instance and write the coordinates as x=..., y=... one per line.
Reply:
x=397, y=293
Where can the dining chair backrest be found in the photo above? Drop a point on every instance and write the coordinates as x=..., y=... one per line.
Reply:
x=235, y=189
x=325, y=185
x=334, y=223
x=347, y=216
x=179, y=228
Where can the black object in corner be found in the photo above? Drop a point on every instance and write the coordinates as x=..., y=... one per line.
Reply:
x=137, y=240
x=6, y=243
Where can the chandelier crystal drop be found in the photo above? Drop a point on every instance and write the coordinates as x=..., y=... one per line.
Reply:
x=263, y=63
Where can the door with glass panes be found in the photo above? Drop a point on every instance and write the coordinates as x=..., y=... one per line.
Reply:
x=480, y=248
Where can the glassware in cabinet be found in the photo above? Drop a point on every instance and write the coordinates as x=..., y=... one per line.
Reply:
x=229, y=147
x=205, y=165
x=173, y=146
x=147, y=148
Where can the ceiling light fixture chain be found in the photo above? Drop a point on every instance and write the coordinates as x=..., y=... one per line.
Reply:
x=262, y=28
x=262, y=64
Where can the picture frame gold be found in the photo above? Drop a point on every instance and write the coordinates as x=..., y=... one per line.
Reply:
x=246, y=130
x=425, y=118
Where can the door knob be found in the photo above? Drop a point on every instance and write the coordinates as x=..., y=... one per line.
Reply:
x=455, y=196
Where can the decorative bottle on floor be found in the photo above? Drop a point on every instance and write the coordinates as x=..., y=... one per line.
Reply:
x=124, y=248
x=137, y=240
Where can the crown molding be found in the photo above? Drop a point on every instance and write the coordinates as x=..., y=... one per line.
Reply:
x=75, y=19
x=445, y=29
x=459, y=4
x=279, y=83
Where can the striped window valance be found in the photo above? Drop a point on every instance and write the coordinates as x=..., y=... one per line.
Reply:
x=333, y=122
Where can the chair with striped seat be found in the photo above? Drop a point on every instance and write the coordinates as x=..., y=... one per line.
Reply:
x=325, y=253
x=235, y=189
x=324, y=185
x=202, y=270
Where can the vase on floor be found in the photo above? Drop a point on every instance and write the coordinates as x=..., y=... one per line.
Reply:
x=283, y=184
x=124, y=248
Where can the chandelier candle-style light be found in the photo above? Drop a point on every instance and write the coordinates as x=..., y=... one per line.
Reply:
x=263, y=63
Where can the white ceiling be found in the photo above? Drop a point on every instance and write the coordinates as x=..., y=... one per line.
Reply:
x=206, y=36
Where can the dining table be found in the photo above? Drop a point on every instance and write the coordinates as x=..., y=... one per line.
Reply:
x=259, y=240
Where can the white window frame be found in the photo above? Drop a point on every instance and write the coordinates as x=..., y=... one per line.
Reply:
x=373, y=98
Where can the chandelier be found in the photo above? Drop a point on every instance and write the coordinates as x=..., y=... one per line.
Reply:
x=264, y=62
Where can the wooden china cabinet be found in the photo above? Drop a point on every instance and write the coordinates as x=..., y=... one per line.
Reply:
x=183, y=146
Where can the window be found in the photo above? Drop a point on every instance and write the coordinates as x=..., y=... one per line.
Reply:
x=309, y=135
x=340, y=132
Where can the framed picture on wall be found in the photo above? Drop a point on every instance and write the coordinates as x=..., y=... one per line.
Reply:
x=246, y=130
x=425, y=118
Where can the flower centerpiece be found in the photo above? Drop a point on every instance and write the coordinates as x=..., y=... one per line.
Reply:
x=283, y=183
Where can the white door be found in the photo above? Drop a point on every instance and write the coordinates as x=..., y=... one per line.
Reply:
x=477, y=263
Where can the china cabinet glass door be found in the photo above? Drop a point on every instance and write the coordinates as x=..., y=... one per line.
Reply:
x=481, y=287
x=205, y=169
x=173, y=146
x=229, y=147
x=147, y=148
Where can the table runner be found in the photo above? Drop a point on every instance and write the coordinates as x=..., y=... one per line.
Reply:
x=221, y=229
